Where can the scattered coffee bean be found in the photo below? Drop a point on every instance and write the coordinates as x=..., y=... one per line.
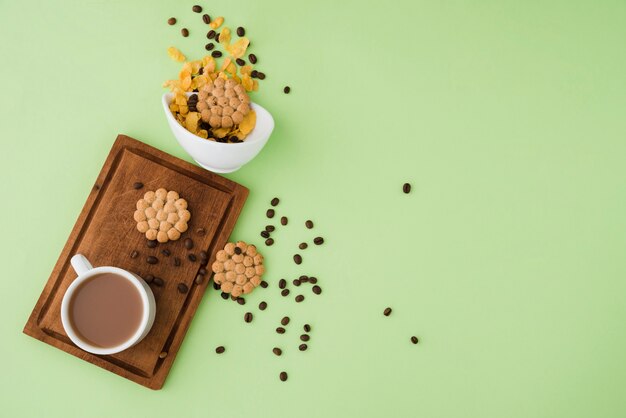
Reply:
x=188, y=243
x=197, y=9
x=176, y=261
x=241, y=301
x=284, y=220
x=305, y=337
x=200, y=231
x=216, y=54
x=240, y=62
x=204, y=256
x=134, y=254
x=304, y=279
x=299, y=298
x=158, y=281
x=264, y=284
x=307, y=328
x=163, y=354
x=282, y=283
x=252, y=58
x=184, y=32
x=241, y=31
x=224, y=295
x=270, y=213
x=303, y=246
x=280, y=330
x=192, y=257
x=287, y=89
x=254, y=74
x=137, y=185
x=182, y=288
x=152, y=243
x=296, y=282
x=317, y=290
x=318, y=240
x=387, y=311
x=309, y=224
x=199, y=279
x=283, y=376
x=210, y=34
x=237, y=250
x=275, y=200
x=414, y=339
x=216, y=286
x=171, y=21
x=248, y=317
x=261, y=75
x=220, y=349
x=209, y=46
x=148, y=279
x=166, y=252
x=303, y=347
x=285, y=292
x=406, y=188
x=217, y=37
x=206, y=18
x=313, y=280
x=297, y=259
x=285, y=320
x=152, y=259
x=262, y=306
x=265, y=234
x=270, y=228
x=277, y=351
x=269, y=241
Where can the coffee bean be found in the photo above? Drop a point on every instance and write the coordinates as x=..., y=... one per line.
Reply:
x=199, y=279
x=158, y=281
x=270, y=228
x=206, y=18
x=216, y=286
x=261, y=75
x=297, y=259
x=197, y=9
x=204, y=255
x=224, y=295
x=406, y=188
x=217, y=37
x=166, y=252
x=296, y=282
x=182, y=288
x=285, y=320
x=252, y=58
x=318, y=240
x=275, y=201
x=184, y=32
x=176, y=261
x=387, y=311
x=305, y=337
x=303, y=279
x=137, y=185
x=309, y=224
x=148, y=279
x=269, y=241
x=209, y=46
x=264, y=284
x=192, y=258
x=284, y=220
x=303, y=347
x=285, y=292
x=280, y=330
x=283, y=376
x=163, y=354
x=152, y=259
x=134, y=254
x=248, y=317
x=171, y=21
x=307, y=328
x=254, y=74
x=299, y=298
x=312, y=280
x=241, y=301
x=188, y=243
x=277, y=351
x=200, y=231
x=317, y=290
x=240, y=62
x=241, y=31
x=414, y=339
x=220, y=349
x=262, y=306
x=152, y=243
x=303, y=246
x=216, y=54
x=265, y=234
x=287, y=89
x=210, y=34
x=237, y=250
x=270, y=213
x=282, y=283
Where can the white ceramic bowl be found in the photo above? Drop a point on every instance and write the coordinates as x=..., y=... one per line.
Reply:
x=217, y=156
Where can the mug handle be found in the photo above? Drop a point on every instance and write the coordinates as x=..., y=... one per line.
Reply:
x=80, y=264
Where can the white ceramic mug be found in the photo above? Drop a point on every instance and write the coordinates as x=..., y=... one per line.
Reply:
x=85, y=271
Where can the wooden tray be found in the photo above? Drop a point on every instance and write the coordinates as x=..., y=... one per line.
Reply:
x=106, y=234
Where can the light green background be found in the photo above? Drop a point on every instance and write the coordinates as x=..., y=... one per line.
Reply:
x=507, y=260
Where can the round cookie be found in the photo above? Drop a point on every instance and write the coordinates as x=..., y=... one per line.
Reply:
x=238, y=268
x=162, y=215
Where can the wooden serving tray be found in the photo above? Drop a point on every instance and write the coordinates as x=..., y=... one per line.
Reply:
x=106, y=234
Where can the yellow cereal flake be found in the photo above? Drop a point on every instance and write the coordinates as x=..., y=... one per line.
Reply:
x=231, y=68
x=221, y=132
x=238, y=49
x=225, y=36
x=246, y=82
x=184, y=109
x=180, y=99
x=199, y=81
x=247, y=124
x=174, y=108
x=217, y=22
x=203, y=134
x=185, y=80
x=175, y=54
x=191, y=122
x=195, y=67
x=255, y=85
x=246, y=70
